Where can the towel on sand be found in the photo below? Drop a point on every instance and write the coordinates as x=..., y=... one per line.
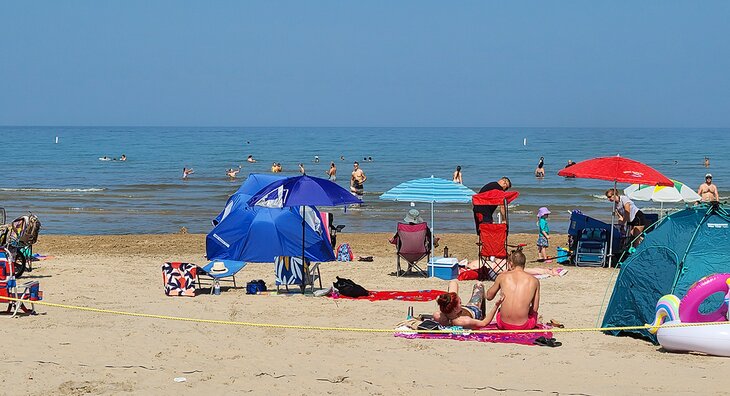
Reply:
x=419, y=295
x=511, y=338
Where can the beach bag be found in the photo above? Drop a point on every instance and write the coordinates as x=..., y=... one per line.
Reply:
x=179, y=279
x=32, y=228
x=255, y=286
x=344, y=252
x=348, y=288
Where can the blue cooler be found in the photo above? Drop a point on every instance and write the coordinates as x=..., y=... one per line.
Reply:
x=446, y=268
x=563, y=256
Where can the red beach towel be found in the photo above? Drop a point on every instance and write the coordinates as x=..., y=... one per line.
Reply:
x=420, y=295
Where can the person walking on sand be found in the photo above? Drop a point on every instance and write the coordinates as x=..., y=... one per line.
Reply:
x=357, y=181
x=543, y=238
x=540, y=170
x=457, y=175
x=708, y=191
x=520, y=296
x=332, y=172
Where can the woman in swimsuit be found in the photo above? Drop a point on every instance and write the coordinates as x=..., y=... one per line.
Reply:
x=540, y=171
x=469, y=316
x=457, y=175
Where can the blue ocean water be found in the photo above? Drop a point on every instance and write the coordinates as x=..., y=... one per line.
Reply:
x=73, y=192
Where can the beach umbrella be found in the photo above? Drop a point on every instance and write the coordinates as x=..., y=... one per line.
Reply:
x=677, y=193
x=257, y=234
x=616, y=169
x=429, y=190
x=302, y=191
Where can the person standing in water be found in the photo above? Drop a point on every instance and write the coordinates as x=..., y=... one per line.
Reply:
x=707, y=162
x=708, y=191
x=457, y=175
x=357, y=181
x=540, y=170
x=187, y=172
x=332, y=172
x=301, y=169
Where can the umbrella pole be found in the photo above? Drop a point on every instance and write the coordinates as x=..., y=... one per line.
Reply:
x=613, y=215
x=432, y=239
x=304, y=267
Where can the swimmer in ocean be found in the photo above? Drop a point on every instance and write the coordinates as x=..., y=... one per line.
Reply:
x=316, y=159
x=231, y=173
x=187, y=172
x=250, y=159
x=123, y=157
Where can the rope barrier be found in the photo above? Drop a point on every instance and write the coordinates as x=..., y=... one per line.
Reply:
x=349, y=329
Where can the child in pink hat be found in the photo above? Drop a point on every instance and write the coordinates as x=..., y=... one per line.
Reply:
x=543, y=238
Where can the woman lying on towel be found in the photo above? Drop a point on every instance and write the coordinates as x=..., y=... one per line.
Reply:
x=491, y=269
x=469, y=316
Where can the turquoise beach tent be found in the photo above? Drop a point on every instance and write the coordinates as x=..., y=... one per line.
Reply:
x=681, y=249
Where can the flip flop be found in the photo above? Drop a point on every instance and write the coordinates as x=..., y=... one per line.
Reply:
x=365, y=258
x=555, y=323
x=548, y=342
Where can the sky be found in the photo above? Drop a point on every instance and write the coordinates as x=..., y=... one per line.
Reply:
x=365, y=63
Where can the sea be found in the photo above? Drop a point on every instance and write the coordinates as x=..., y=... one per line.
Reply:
x=58, y=172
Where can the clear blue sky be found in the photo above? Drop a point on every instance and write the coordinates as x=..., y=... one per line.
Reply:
x=365, y=63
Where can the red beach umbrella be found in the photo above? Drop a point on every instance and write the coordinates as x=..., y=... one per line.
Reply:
x=617, y=169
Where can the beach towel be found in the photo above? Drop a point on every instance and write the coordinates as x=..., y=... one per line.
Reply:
x=465, y=335
x=40, y=257
x=419, y=295
x=179, y=279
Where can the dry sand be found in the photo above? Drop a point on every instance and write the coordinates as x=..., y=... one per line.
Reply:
x=74, y=352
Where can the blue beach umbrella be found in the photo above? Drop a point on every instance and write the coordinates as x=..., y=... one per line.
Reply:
x=302, y=191
x=431, y=190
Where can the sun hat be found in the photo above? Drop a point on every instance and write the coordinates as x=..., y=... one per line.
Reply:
x=413, y=216
x=219, y=267
x=708, y=175
x=542, y=212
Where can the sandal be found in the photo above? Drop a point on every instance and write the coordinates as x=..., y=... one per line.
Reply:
x=555, y=323
x=548, y=342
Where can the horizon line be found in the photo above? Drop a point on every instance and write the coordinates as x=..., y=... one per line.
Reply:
x=359, y=126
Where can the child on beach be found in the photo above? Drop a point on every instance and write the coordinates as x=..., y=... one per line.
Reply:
x=520, y=296
x=469, y=316
x=543, y=238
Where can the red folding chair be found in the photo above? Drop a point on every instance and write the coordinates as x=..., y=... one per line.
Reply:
x=413, y=243
x=25, y=293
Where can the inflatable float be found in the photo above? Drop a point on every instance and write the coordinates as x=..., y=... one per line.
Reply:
x=712, y=339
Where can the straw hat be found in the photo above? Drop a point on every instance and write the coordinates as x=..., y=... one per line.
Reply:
x=413, y=216
x=219, y=267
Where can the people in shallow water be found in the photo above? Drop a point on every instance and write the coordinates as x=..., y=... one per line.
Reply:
x=187, y=172
x=123, y=157
x=250, y=159
x=231, y=173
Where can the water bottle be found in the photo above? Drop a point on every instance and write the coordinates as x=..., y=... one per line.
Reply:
x=727, y=300
x=217, y=288
x=446, y=251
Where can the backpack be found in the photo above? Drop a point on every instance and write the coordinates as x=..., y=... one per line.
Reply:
x=348, y=288
x=344, y=252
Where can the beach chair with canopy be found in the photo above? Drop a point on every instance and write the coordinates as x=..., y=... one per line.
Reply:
x=413, y=243
x=27, y=292
x=493, y=237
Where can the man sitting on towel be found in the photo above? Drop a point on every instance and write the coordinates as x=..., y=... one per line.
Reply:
x=521, y=296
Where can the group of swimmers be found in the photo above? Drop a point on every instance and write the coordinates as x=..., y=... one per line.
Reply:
x=105, y=158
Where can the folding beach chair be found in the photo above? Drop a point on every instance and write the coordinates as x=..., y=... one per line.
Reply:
x=290, y=271
x=219, y=272
x=493, y=247
x=413, y=243
x=27, y=292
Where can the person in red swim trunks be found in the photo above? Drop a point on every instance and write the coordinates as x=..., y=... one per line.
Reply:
x=521, y=292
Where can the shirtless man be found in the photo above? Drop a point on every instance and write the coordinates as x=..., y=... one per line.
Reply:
x=708, y=191
x=357, y=180
x=332, y=172
x=231, y=173
x=469, y=316
x=250, y=159
x=187, y=172
x=521, y=293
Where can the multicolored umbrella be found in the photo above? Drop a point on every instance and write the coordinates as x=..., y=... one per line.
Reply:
x=677, y=193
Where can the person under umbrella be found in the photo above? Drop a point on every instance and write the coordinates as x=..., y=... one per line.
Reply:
x=627, y=213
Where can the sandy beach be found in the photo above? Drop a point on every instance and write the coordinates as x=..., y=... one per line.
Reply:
x=73, y=352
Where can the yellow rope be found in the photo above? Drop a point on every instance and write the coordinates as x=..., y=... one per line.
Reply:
x=349, y=329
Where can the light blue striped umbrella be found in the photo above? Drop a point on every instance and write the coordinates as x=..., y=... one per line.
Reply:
x=430, y=189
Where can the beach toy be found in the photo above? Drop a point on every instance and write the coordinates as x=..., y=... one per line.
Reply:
x=709, y=339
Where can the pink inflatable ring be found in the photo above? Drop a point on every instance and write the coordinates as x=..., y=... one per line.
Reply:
x=689, y=308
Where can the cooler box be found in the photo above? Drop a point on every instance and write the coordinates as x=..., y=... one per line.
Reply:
x=446, y=268
x=562, y=256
